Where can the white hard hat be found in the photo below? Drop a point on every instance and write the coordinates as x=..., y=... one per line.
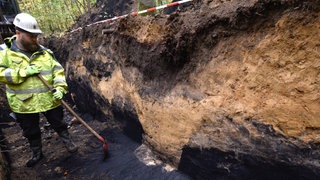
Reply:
x=26, y=22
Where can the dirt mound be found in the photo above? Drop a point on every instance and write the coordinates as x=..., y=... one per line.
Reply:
x=226, y=89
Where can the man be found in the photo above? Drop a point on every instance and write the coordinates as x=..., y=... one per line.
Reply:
x=21, y=60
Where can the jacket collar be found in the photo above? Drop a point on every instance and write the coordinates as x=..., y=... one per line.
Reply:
x=11, y=43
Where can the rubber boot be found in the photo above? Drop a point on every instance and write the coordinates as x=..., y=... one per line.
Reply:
x=68, y=142
x=36, y=148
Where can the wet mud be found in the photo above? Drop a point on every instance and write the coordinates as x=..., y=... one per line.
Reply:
x=127, y=159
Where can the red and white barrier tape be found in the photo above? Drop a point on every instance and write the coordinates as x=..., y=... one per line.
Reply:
x=135, y=13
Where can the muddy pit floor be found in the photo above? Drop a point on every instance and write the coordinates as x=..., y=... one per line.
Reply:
x=127, y=159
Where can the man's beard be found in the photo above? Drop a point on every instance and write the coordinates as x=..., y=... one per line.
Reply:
x=31, y=47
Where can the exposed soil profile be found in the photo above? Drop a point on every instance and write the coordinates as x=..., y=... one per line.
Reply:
x=217, y=89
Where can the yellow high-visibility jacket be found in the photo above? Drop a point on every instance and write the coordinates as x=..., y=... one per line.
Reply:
x=29, y=94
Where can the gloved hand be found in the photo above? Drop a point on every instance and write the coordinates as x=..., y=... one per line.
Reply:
x=57, y=94
x=31, y=70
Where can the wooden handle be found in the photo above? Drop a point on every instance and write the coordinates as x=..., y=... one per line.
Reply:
x=72, y=112
x=82, y=121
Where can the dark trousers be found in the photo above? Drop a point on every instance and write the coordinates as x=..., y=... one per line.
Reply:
x=29, y=123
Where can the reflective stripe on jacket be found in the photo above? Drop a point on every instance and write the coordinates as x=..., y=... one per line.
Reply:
x=29, y=94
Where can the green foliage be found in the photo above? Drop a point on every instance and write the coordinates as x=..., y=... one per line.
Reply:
x=146, y=4
x=141, y=7
x=162, y=2
x=55, y=16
